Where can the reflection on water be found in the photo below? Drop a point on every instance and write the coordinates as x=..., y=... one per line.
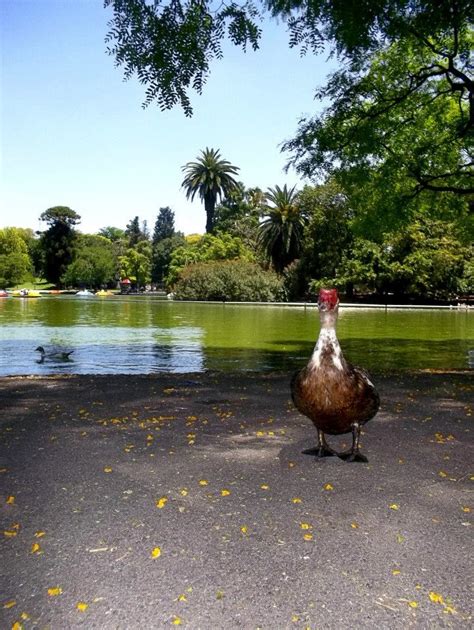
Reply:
x=141, y=335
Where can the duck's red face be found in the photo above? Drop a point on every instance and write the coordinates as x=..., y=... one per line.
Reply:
x=328, y=299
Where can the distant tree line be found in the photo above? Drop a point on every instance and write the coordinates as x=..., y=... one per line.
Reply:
x=279, y=244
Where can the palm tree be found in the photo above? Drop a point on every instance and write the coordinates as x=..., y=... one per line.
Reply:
x=211, y=177
x=281, y=232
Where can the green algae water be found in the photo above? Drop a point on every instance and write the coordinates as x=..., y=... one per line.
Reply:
x=143, y=335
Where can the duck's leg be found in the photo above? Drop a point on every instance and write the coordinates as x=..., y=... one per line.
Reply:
x=322, y=449
x=354, y=455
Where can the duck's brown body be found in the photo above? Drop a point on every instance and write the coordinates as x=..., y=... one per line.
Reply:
x=336, y=396
x=334, y=400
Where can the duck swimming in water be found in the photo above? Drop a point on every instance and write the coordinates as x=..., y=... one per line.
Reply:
x=57, y=355
x=335, y=395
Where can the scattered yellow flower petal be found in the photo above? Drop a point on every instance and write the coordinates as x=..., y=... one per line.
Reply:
x=296, y=500
x=442, y=473
x=3, y=469
x=328, y=486
x=182, y=598
x=225, y=492
x=10, y=500
x=156, y=552
x=9, y=533
x=176, y=621
x=394, y=506
x=413, y=604
x=436, y=598
x=295, y=618
x=183, y=492
x=40, y=534
x=108, y=469
x=35, y=548
x=260, y=433
x=465, y=508
x=82, y=606
x=203, y=482
x=396, y=572
x=449, y=610
x=264, y=486
x=9, y=604
x=244, y=529
x=161, y=502
x=17, y=626
x=308, y=536
x=25, y=616
x=55, y=590
x=305, y=526
x=354, y=525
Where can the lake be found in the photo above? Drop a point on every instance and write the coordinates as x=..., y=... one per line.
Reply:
x=143, y=335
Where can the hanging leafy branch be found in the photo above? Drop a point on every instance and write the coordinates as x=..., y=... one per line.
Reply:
x=170, y=45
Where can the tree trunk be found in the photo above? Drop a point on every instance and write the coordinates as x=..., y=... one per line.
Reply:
x=209, y=206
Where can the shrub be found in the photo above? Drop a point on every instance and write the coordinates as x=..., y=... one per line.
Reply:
x=235, y=280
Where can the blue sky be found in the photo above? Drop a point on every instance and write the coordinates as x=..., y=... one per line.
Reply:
x=74, y=133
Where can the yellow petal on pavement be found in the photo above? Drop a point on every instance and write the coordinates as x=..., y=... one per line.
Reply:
x=160, y=504
x=436, y=597
x=156, y=552
x=54, y=591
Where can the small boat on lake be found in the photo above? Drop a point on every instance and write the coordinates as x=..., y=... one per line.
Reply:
x=85, y=293
x=103, y=293
x=26, y=293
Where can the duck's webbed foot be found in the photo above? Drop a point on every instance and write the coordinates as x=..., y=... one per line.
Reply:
x=354, y=454
x=349, y=456
x=322, y=449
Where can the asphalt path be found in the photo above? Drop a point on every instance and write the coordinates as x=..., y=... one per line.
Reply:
x=159, y=501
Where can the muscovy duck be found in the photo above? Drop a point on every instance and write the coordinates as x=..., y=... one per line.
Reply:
x=56, y=355
x=337, y=396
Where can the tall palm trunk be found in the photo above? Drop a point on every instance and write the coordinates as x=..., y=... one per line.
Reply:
x=209, y=206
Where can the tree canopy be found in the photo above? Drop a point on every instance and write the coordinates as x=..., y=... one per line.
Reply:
x=57, y=242
x=15, y=263
x=170, y=45
x=210, y=177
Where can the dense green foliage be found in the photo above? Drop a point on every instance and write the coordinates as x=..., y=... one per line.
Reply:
x=164, y=225
x=209, y=177
x=15, y=263
x=94, y=264
x=204, y=249
x=280, y=234
x=58, y=241
x=228, y=281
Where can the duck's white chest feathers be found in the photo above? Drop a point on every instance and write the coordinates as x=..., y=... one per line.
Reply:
x=327, y=351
